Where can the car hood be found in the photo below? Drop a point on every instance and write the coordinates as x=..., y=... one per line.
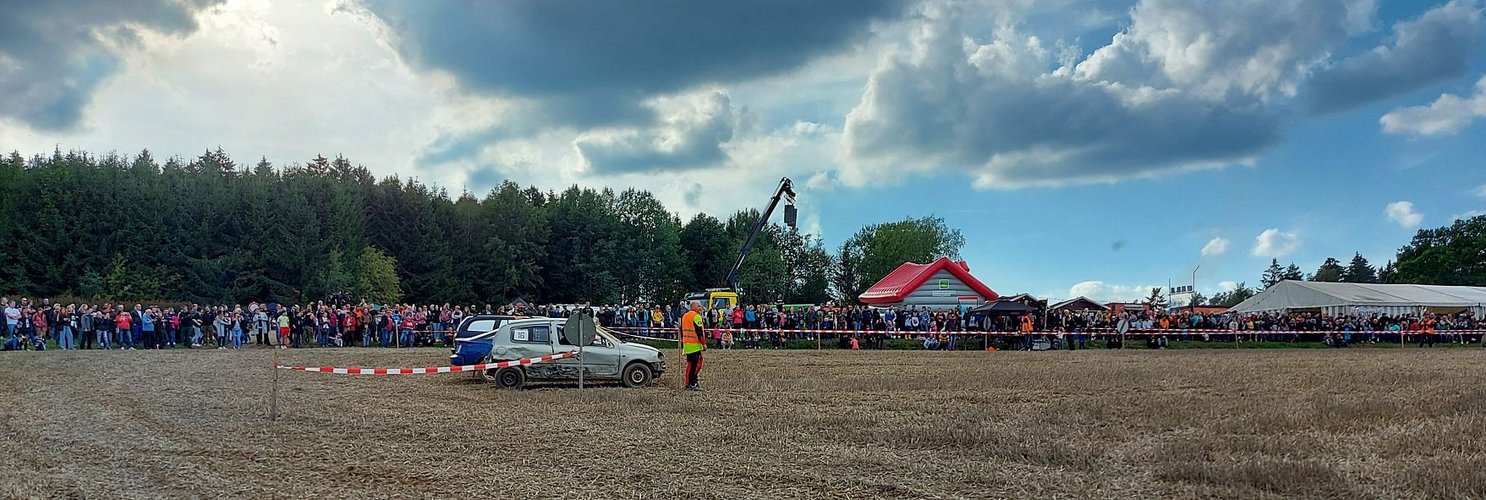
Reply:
x=639, y=350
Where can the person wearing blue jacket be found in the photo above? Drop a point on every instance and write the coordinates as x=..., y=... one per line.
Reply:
x=147, y=327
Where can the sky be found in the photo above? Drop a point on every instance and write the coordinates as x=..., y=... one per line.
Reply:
x=1091, y=148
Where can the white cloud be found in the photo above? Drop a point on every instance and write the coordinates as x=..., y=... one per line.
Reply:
x=1215, y=246
x=1105, y=292
x=280, y=80
x=1275, y=243
x=1446, y=115
x=992, y=110
x=1480, y=191
x=1402, y=212
x=1228, y=286
x=1468, y=214
x=1249, y=47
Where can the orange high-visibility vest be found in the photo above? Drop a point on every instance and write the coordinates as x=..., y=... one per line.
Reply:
x=691, y=332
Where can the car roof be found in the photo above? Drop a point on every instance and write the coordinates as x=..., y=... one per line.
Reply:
x=506, y=317
x=523, y=321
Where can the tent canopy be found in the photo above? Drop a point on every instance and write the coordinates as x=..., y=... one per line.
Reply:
x=1347, y=298
x=1001, y=307
x=1080, y=303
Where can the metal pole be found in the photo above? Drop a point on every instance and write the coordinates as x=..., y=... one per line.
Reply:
x=580, y=360
x=273, y=409
x=681, y=346
x=1192, y=294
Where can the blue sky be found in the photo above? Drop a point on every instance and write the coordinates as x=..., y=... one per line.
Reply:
x=1083, y=147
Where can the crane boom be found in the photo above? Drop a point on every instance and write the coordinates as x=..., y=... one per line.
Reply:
x=785, y=191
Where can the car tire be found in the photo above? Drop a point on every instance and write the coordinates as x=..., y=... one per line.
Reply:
x=637, y=375
x=508, y=378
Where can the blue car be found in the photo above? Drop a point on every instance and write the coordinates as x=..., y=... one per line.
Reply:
x=472, y=340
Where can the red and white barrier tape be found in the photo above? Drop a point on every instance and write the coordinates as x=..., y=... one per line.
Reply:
x=639, y=336
x=1100, y=331
x=431, y=369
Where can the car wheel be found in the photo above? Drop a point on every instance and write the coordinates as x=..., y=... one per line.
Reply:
x=510, y=378
x=636, y=375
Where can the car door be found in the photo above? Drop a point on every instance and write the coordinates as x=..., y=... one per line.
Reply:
x=600, y=358
x=527, y=340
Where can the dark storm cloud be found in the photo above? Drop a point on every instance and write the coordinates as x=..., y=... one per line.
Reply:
x=575, y=55
x=1436, y=47
x=53, y=54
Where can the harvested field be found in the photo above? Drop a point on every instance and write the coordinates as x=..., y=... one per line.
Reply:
x=834, y=424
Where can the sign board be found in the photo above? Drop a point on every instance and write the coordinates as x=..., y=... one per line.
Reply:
x=941, y=293
x=579, y=330
x=944, y=284
x=1124, y=326
x=1181, y=289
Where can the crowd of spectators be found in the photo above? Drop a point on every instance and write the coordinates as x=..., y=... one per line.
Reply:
x=37, y=325
x=29, y=325
x=1425, y=328
x=946, y=328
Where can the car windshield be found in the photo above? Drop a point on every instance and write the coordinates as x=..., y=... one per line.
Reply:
x=479, y=327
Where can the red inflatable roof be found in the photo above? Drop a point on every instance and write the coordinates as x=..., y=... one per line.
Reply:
x=909, y=276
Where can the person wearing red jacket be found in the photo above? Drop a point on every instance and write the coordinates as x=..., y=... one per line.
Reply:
x=125, y=324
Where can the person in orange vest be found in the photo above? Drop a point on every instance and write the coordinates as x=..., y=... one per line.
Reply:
x=1026, y=332
x=692, y=345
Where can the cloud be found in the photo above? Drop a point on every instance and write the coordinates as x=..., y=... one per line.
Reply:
x=54, y=54
x=592, y=62
x=1104, y=292
x=1446, y=115
x=1480, y=191
x=690, y=134
x=1275, y=243
x=1228, y=286
x=1468, y=215
x=295, y=79
x=1402, y=212
x=1250, y=47
x=1215, y=246
x=989, y=110
x=1436, y=46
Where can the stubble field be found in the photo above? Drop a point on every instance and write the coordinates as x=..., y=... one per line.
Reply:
x=771, y=424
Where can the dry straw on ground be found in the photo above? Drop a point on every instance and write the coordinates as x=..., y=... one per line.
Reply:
x=1136, y=424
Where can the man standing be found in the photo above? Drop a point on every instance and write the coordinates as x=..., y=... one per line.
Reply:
x=12, y=318
x=692, y=345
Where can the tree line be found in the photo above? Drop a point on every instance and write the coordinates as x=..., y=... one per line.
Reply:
x=1449, y=255
x=210, y=230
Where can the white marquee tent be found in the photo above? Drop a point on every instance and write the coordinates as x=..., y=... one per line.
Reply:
x=1366, y=298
